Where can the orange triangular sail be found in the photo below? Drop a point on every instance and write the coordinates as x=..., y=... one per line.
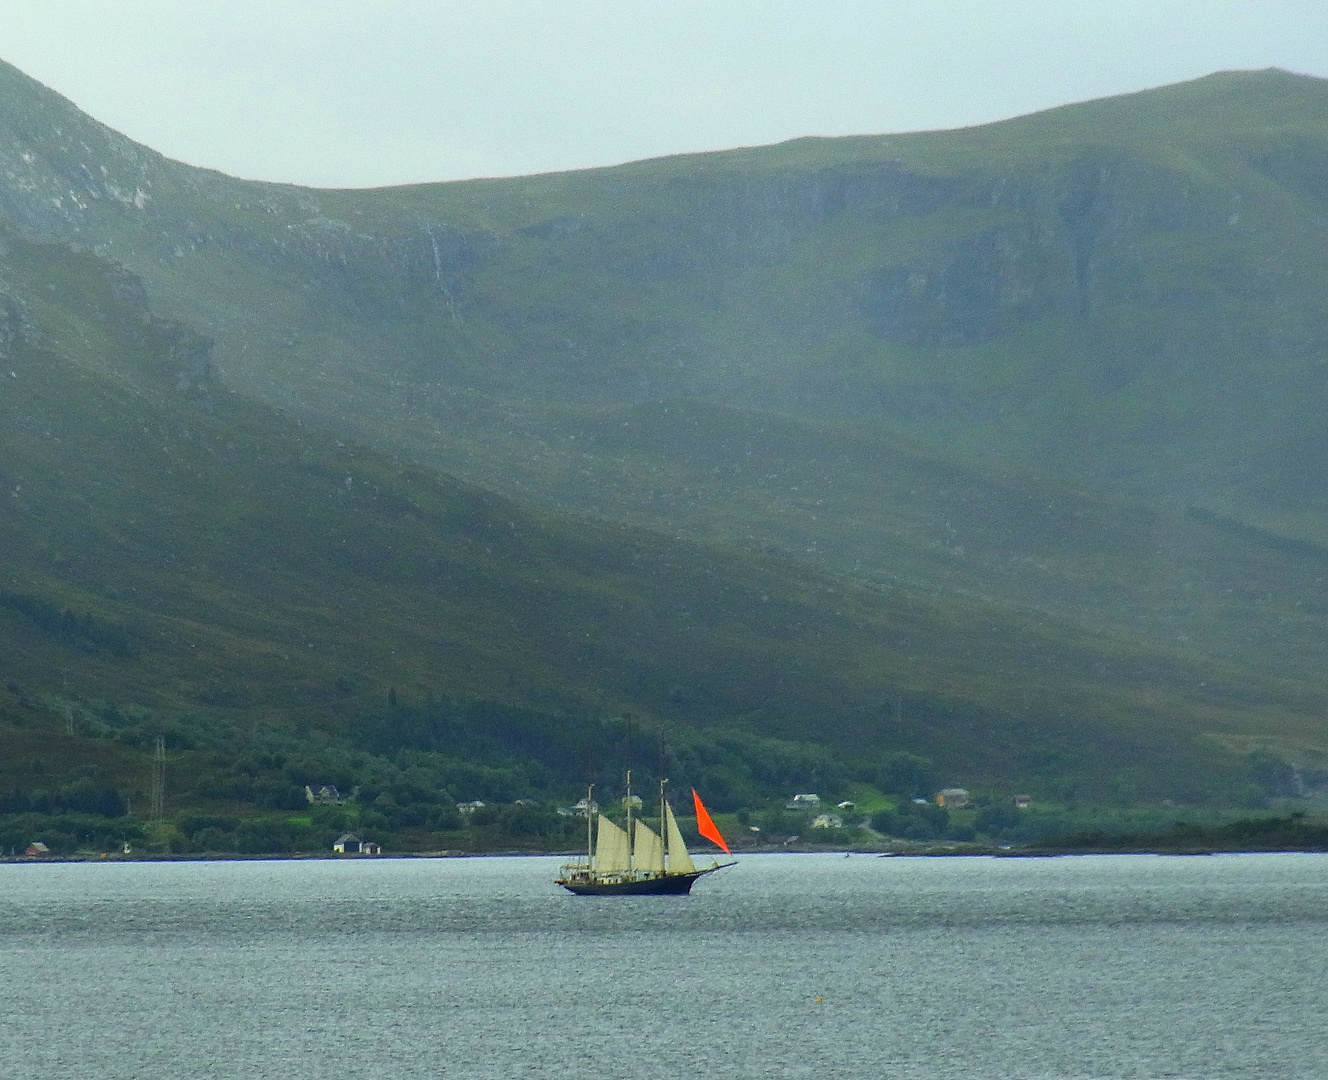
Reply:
x=705, y=826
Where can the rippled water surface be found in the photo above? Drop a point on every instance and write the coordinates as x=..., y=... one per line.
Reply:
x=785, y=966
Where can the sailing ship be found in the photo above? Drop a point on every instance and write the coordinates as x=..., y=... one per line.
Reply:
x=634, y=860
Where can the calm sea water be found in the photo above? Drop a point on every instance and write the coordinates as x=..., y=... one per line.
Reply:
x=785, y=966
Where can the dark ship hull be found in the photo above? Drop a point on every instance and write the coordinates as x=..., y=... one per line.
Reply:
x=665, y=884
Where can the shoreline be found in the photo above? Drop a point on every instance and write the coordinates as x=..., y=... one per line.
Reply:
x=955, y=851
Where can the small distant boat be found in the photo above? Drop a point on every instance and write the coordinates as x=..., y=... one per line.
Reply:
x=635, y=860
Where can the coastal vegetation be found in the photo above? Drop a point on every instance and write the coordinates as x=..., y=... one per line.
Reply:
x=474, y=777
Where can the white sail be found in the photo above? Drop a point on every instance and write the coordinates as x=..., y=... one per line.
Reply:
x=612, y=851
x=649, y=850
x=679, y=861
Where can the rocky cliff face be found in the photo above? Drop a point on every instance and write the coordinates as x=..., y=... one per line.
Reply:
x=65, y=175
x=1073, y=242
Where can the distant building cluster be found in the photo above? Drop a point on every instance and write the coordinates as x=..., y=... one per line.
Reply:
x=952, y=798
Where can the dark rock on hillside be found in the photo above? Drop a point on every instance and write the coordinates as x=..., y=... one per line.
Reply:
x=14, y=327
x=970, y=291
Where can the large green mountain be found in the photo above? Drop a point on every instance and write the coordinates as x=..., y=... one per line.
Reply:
x=999, y=445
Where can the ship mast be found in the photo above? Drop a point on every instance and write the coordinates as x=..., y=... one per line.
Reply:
x=663, y=823
x=627, y=802
x=590, y=828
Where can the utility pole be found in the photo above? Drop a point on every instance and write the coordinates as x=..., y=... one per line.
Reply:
x=159, y=781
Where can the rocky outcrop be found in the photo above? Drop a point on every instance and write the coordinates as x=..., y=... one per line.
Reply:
x=1070, y=242
x=969, y=290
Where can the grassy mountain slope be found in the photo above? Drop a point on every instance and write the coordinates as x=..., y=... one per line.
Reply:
x=1097, y=305
x=999, y=442
x=175, y=547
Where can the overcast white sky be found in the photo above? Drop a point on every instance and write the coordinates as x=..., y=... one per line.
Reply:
x=367, y=92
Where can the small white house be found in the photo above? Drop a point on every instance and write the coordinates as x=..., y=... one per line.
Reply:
x=807, y=801
x=827, y=821
x=847, y=804
x=323, y=795
x=469, y=807
x=952, y=797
